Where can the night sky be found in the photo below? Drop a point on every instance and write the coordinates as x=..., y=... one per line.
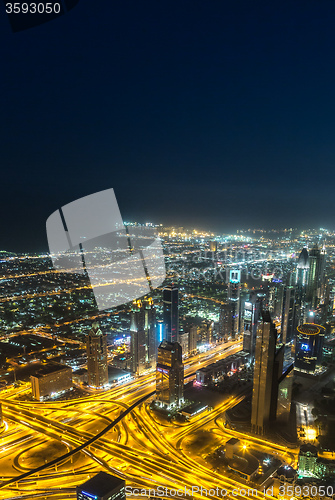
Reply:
x=215, y=114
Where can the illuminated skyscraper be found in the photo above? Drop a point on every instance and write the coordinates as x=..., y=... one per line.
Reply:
x=169, y=374
x=143, y=336
x=252, y=310
x=213, y=246
x=171, y=313
x=96, y=347
x=301, y=275
x=309, y=343
x=263, y=374
x=229, y=322
x=192, y=340
x=316, y=276
x=288, y=316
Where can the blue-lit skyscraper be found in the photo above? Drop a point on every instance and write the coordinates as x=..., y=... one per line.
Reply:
x=309, y=343
x=171, y=313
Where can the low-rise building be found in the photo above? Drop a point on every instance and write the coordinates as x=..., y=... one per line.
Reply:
x=50, y=379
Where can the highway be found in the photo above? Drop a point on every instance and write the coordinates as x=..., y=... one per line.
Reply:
x=47, y=448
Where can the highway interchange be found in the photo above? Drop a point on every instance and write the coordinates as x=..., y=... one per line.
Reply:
x=47, y=448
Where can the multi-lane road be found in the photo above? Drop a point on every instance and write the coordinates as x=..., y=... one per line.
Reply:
x=46, y=449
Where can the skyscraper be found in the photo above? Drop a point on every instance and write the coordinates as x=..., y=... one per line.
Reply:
x=308, y=353
x=301, y=275
x=252, y=310
x=171, y=313
x=263, y=374
x=288, y=315
x=143, y=336
x=169, y=374
x=96, y=348
x=192, y=340
x=316, y=276
x=234, y=288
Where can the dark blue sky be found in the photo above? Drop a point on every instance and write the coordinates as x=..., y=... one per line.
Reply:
x=203, y=113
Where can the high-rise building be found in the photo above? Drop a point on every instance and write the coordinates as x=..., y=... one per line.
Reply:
x=252, y=310
x=288, y=314
x=169, y=374
x=284, y=398
x=96, y=348
x=234, y=288
x=193, y=339
x=263, y=374
x=171, y=313
x=184, y=342
x=213, y=246
x=301, y=275
x=143, y=336
x=309, y=343
x=102, y=486
x=316, y=276
x=276, y=297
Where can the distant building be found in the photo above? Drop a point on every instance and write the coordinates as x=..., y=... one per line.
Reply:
x=193, y=339
x=80, y=376
x=251, y=315
x=171, y=313
x=276, y=296
x=213, y=246
x=184, y=341
x=234, y=289
x=218, y=370
x=307, y=458
x=117, y=376
x=284, y=477
x=96, y=347
x=232, y=447
x=324, y=468
x=309, y=344
x=49, y=379
x=301, y=276
x=143, y=336
x=288, y=315
x=102, y=486
x=316, y=275
x=169, y=374
x=284, y=397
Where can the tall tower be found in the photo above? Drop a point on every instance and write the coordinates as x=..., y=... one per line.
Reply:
x=96, y=348
x=171, y=313
x=262, y=397
x=252, y=311
x=169, y=374
x=289, y=314
x=301, y=275
x=143, y=337
x=229, y=322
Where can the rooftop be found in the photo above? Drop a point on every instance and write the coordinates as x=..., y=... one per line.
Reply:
x=101, y=484
x=50, y=368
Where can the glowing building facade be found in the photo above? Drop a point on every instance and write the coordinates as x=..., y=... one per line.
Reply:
x=171, y=313
x=169, y=374
x=143, y=336
x=309, y=343
x=96, y=348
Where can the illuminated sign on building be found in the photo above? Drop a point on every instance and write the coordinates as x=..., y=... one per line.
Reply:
x=235, y=276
